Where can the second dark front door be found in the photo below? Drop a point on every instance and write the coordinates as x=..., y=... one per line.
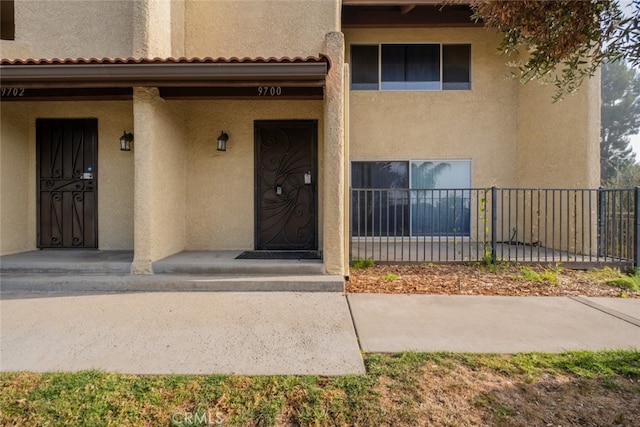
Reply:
x=285, y=184
x=66, y=152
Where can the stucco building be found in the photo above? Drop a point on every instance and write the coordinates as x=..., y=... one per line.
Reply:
x=313, y=95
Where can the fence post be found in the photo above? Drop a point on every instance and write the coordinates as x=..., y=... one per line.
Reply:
x=494, y=223
x=636, y=228
x=601, y=221
x=350, y=222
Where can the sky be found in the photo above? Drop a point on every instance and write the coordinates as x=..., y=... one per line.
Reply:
x=635, y=144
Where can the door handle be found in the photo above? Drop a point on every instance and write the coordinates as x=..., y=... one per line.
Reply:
x=307, y=177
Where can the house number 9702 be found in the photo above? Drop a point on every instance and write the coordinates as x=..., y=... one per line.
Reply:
x=12, y=91
x=269, y=91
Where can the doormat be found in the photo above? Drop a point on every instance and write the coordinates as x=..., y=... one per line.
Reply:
x=280, y=255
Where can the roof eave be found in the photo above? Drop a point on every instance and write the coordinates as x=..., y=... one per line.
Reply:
x=160, y=74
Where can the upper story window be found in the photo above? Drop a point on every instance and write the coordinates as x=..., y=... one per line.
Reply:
x=7, y=25
x=411, y=67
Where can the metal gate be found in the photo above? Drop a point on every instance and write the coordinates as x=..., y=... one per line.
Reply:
x=285, y=186
x=66, y=153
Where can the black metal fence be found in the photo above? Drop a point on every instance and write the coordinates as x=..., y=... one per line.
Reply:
x=511, y=224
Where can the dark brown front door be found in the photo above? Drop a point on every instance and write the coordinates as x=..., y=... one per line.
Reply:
x=285, y=187
x=66, y=153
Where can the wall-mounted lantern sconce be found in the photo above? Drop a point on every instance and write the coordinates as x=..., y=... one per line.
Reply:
x=125, y=141
x=222, y=141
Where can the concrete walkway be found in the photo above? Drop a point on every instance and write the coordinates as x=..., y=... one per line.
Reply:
x=180, y=332
x=481, y=324
x=291, y=333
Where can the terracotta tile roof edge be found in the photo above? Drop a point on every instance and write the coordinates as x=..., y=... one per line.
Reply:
x=181, y=60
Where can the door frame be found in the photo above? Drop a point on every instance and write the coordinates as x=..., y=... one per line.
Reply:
x=311, y=123
x=85, y=120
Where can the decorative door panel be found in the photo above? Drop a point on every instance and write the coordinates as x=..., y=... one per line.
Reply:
x=66, y=152
x=285, y=186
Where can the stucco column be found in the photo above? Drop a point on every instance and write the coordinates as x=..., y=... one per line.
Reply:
x=143, y=195
x=160, y=181
x=347, y=155
x=334, y=225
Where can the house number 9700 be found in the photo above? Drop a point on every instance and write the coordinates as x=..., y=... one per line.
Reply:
x=269, y=91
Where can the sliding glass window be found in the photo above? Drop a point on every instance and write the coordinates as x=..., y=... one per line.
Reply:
x=410, y=198
x=411, y=67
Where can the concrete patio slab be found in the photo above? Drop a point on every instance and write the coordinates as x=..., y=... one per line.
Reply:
x=67, y=261
x=393, y=323
x=188, y=333
x=225, y=262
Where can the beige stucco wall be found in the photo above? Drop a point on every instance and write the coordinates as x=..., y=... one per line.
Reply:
x=559, y=147
x=253, y=28
x=69, y=28
x=559, y=143
x=152, y=34
x=17, y=178
x=220, y=185
x=514, y=134
x=177, y=28
x=160, y=179
x=480, y=124
x=115, y=171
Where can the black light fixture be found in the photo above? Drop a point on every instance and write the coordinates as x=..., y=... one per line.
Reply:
x=125, y=141
x=222, y=141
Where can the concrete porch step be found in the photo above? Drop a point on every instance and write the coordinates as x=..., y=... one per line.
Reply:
x=110, y=271
x=170, y=283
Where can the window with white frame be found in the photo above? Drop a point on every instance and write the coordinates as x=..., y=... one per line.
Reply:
x=411, y=67
x=411, y=198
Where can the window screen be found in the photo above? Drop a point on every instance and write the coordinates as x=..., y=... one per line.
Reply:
x=410, y=67
x=456, y=67
x=364, y=67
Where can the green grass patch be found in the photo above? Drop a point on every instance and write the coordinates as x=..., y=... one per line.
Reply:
x=390, y=393
x=359, y=263
x=604, y=274
x=629, y=281
x=390, y=277
x=583, y=364
x=548, y=275
x=487, y=263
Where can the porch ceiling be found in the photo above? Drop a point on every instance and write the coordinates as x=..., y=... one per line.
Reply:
x=43, y=78
x=407, y=13
x=402, y=2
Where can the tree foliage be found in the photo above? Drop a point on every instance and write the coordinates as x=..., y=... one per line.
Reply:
x=565, y=41
x=620, y=118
